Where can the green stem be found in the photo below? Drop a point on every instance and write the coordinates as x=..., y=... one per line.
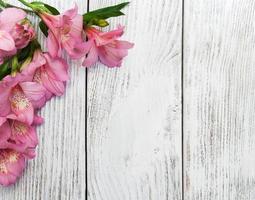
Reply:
x=25, y=3
x=39, y=6
x=7, y=5
x=4, y=70
x=12, y=6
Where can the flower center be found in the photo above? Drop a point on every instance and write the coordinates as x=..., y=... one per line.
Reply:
x=7, y=156
x=3, y=168
x=18, y=99
x=19, y=128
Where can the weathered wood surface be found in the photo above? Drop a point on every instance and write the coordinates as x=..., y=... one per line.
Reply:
x=219, y=100
x=134, y=112
x=135, y=117
x=58, y=172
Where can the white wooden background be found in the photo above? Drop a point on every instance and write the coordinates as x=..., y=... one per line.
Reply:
x=176, y=122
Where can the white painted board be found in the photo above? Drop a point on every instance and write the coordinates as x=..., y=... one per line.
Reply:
x=134, y=112
x=219, y=100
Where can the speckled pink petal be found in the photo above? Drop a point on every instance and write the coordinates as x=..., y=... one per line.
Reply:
x=12, y=164
x=21, y=105
x=23, y=136
x=35, y=93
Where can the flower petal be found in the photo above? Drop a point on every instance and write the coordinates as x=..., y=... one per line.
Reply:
x=120, y=44
x=7, y=43
x=57, y=68
x=5, y=133
x=92, y=57
x=2, y=120
x=38, y=120
x=23, y=136
x=12, y=164
x=38, y=61
x=35, y=93
x=75, y=50
x=108, y=37
x=71, y=13
x=77, y=28
x=109, y=58
x=9, y=17
x=4, y=101
x=21, y=105
x=54, y=86
x=53, y=45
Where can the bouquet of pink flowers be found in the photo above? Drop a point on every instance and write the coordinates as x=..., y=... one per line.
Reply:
x=29, y=77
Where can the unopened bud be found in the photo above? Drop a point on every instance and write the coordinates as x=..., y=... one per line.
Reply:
x=102, y=23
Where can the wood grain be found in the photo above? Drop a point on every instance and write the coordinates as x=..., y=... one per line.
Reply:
x=219, y=99
x=134, y=112
x=58, y=172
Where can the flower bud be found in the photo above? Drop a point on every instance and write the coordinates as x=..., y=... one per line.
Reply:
x=102, y=23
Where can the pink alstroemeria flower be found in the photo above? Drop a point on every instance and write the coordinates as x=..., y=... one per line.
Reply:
x=51, y=73
x=8, y=19
x=19, y=95
x=65, y=32
x=22, y=34
x=105, y=47
x=18, y=136
x=12, y=164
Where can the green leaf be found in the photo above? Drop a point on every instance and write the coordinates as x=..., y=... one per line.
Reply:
x=14, y=63
x=4, y=70
x=37, y=3
x=45, y=7
x=53, y=10
x=2, y=4
x=93, y=17
x=39, y=6
x=24, y=53
x=43, y=28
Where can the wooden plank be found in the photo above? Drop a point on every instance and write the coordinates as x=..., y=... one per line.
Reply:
x=58, y=172
x=134, y=112
x=219, y=99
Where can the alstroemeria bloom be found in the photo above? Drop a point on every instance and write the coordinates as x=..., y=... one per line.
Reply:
x=17, y=95
x=8, y=19
x=12, y=164
x=19, y=136
x=22, y=34
x=106, y=47
x=65, y=32
x=51, y=73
